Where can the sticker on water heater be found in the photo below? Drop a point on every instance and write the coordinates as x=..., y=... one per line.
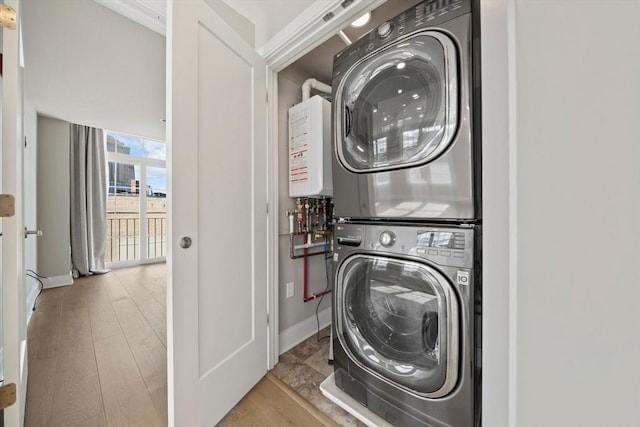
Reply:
x=463, y=278
x=299, y=146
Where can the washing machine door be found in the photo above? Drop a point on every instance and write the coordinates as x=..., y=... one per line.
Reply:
x=398, y=319
x=398, y=107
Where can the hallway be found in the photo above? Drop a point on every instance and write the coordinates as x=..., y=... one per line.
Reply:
x=97, y=357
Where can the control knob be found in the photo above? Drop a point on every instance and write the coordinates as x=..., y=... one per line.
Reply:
x=387, y=238
x=384, y=30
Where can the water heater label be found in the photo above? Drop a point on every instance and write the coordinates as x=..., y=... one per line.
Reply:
x=299, y=128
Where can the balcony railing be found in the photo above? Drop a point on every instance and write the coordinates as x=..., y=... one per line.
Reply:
x=123, y=236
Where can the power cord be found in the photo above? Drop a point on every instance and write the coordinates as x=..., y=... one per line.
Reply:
x=326, y=269
x=36, y=276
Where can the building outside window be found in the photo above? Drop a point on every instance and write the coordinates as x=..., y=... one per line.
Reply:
x=136, y=200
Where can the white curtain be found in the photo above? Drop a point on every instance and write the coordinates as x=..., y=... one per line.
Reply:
x=88, y=200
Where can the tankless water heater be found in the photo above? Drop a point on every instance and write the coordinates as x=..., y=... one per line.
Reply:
x=310, y=148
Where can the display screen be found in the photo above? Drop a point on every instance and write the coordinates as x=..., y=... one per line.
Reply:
x=441, y=239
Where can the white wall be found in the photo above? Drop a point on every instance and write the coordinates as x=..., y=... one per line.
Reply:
x=87, y=64
x=561, y=101
x=293, y=311
x=54, y=259
x=578, y=211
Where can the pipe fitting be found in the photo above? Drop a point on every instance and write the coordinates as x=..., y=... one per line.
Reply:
x=315, y=84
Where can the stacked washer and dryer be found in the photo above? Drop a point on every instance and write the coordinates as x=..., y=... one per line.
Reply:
x=406, y=182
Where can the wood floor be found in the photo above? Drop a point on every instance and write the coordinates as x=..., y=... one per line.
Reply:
x=97, y=357
x=97, y=352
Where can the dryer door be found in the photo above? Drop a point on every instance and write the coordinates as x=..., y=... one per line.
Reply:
x=398, y=107
x=398, y=319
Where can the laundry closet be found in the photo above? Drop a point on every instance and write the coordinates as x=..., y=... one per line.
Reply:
x=381, y=213
x=304, y=285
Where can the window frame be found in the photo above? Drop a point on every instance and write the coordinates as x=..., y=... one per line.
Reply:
x=143, y=163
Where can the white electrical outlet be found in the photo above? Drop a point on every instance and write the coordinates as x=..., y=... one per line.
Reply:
x=289, y=289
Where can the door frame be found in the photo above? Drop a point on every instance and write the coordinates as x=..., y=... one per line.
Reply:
x=304, y=33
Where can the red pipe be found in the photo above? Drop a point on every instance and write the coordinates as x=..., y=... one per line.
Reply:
x=305, y=297
x=304, y=274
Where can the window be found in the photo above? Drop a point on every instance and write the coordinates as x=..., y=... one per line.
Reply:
x=136, y=200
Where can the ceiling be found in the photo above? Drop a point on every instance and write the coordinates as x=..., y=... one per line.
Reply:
x=86, y=64
x=268, y=16
x=319, y=62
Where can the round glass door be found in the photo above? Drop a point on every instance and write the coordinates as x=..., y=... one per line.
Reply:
x=399, y=320
x=398, y=108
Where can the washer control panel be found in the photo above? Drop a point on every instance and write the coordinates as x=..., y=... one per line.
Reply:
x=387, y=238
x=450, y=246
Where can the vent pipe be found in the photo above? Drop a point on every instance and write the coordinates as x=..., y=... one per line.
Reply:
x=315, y=84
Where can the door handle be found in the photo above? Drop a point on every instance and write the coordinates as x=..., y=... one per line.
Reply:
x=347, y=121
x=37, y=233
x=349, y=241
x=185, y=242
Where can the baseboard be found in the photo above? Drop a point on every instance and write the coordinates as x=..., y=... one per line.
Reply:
x=55, y=281
x=31, y=298
x=299, y=332
x=47, y=282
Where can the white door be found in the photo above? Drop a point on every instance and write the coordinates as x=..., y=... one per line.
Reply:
x=217, y=287
x=13, y=294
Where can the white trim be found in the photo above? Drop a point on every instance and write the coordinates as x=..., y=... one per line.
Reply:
x=134, y=160
x=31, y=298
x=333, y=393
x=499, y=272
x=512, y=403
x=299, y=332
x=273, y=242
x=138, y=11
x=135, y=262
x=309, y=30
x=57, y=281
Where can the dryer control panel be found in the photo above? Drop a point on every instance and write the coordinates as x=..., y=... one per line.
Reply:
x=430, y=13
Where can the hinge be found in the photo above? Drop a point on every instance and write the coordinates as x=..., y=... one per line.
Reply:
x=7, y=395
x=7, y=205
x=267, y=319
x=267, y=207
